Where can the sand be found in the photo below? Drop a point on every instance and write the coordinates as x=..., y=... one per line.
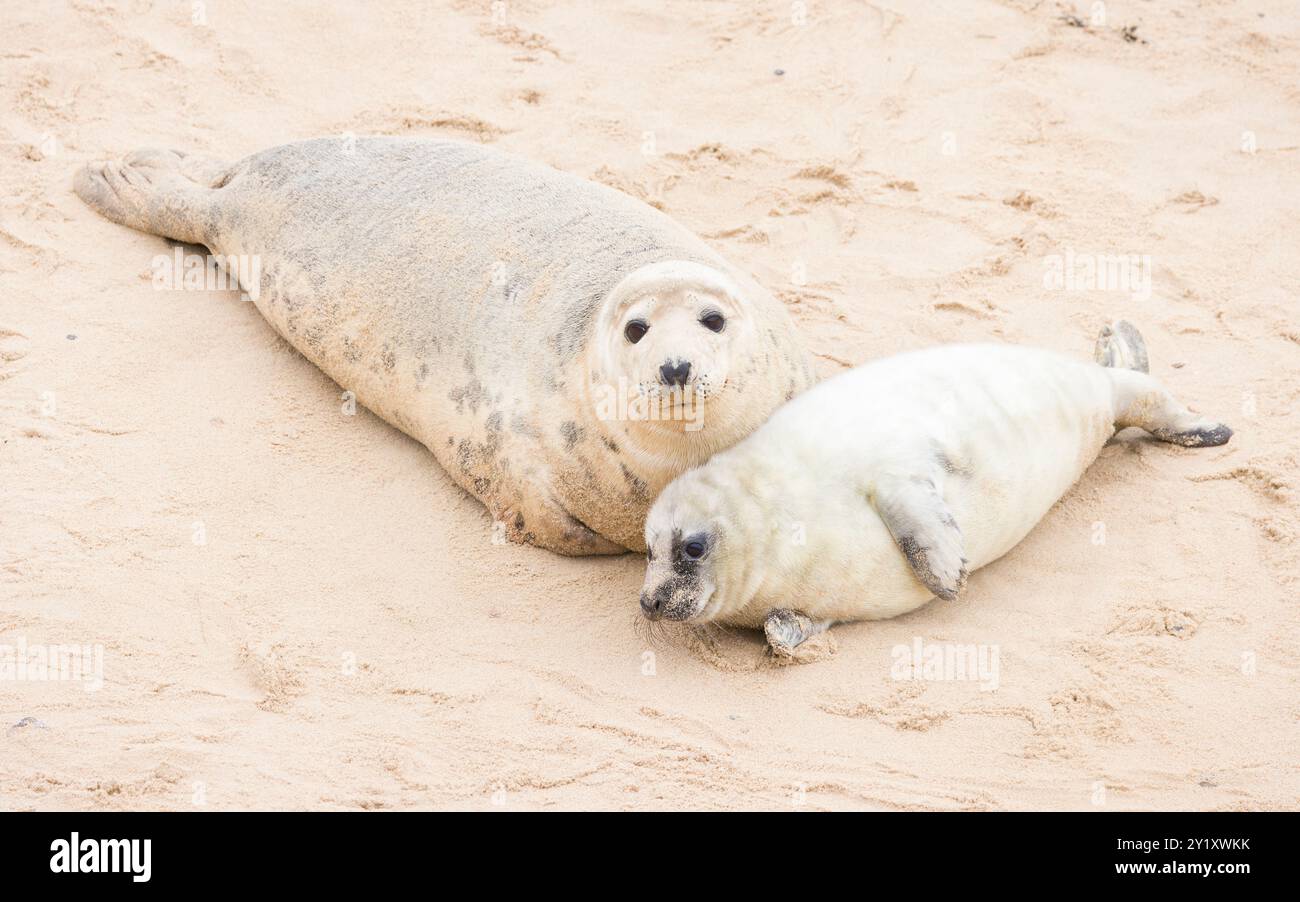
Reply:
x=297, y=609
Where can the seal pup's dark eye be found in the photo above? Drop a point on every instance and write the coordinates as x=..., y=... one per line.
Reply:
x=694, y=550
x=713, y=321
x=635, y=330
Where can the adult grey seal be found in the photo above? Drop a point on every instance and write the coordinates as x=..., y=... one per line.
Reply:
x=563, y=349
x=885, y=486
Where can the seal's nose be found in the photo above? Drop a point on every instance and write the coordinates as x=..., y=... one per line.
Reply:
x=651, y=605
x=675, y=373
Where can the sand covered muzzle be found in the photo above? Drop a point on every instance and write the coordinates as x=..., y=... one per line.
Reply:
x=676, y=597
x=680, y=578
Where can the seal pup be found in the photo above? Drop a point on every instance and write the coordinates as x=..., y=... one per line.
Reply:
x=886, y=485
x=563, y=349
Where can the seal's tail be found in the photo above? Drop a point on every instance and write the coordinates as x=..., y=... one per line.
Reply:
x=164, y=192
x=1120, y=345
x=1142, y=401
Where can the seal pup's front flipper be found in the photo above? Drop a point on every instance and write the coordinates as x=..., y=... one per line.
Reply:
x=786, y=630
x=914, y=512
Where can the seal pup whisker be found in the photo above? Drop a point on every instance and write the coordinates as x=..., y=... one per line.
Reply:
x=650, y=631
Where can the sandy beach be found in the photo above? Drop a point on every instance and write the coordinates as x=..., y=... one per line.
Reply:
x=295, y=607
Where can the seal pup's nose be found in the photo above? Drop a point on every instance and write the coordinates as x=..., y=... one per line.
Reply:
x=651, y=605
x=675, y=373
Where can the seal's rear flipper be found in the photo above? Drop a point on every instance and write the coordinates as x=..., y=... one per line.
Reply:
x=923, y=527
x=1142, y=401
x=1120, y=345
x=1207, y=436
x=163, y=192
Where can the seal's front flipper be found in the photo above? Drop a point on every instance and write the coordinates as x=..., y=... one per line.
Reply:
x=919, y=520
x=786, y=630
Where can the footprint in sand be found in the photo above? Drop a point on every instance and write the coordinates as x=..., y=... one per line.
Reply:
x=13, y=348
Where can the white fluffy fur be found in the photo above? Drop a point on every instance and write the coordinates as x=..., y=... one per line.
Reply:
x=794, y=506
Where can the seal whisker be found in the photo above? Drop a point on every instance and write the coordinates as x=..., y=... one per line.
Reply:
x=649, y=631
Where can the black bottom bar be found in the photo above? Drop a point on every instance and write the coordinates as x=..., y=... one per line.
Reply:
x=216, y=851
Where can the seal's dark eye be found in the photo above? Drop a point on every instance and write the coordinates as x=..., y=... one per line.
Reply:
x=694, y=550
x=635, y=330
x=713, y=322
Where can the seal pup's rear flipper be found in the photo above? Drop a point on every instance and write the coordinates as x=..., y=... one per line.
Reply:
x=163, y=192
x=914, y=512
x=1142, y=401
x=1120, y=345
